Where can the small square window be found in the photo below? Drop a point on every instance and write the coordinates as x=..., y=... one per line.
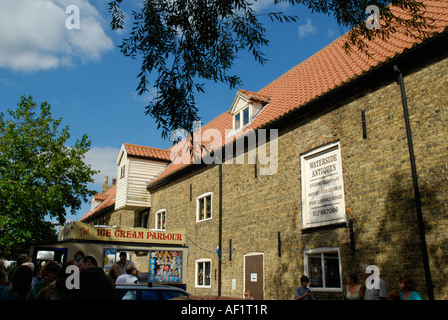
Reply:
x=203, y=273
x=161, y=220
x=204, y=207
x=323, y=267
x=122, y=171
x=242, y=118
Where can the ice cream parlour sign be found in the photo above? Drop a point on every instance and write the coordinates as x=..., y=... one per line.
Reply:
x=76, y=230
x=323, y=200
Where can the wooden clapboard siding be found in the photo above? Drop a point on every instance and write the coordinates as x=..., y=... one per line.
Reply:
x=131, y=189
x=122, y=183
x=141, y=172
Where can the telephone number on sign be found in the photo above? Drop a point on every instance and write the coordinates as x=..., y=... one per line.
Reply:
x=323, y=212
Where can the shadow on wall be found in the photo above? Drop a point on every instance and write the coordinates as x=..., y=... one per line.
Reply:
x=398, y=237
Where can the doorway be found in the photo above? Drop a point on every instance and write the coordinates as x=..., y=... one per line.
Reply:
x=254, y=274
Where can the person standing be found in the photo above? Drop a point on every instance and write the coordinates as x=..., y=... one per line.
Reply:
x=353, y=290
x=20, y=284
x=129, y=277
x=94, y=283
x=407, y=289
x=47, y=276
x=124, y=262
x=22, y=258
x=303, y=292
x=373, y=293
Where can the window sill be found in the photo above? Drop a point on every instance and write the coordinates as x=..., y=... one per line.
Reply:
x=204, y=220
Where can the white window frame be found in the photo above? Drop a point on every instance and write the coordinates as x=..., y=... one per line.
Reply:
x=198, y=199
x=158, y=215
x=199, y=265
x=241, y=115
x=322, y=251
x=123, y=171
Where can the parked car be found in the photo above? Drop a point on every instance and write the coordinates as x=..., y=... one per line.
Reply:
x=147, y=292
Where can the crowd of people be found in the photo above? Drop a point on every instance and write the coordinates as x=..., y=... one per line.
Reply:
x=49, y=280
x=354, y=290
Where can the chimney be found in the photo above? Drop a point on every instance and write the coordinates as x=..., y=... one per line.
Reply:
x=114, y=181
x=105, y=185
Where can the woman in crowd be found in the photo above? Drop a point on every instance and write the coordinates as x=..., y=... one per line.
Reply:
x=407, y=289
x=353, y=290
x=20, y=284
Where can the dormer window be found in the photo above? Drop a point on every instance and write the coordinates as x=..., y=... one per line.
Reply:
x=245, y=113
x=242, y=118
x=245, y=107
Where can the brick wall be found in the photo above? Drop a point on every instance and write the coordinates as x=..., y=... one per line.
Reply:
x=124, y=218
x=379, y=194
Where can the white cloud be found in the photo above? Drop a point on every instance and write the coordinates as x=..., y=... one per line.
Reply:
x=103, y=159
x=33, y=34
x=306, y=29
x=331, y=33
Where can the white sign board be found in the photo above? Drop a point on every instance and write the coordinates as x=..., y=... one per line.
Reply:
x=323, y=199
x=253, y=277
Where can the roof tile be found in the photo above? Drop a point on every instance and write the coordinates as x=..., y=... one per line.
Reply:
x=147, y=152
x=108, y=200
x=324, y=71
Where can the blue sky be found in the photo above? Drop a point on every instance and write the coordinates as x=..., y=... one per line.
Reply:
x=92, y=85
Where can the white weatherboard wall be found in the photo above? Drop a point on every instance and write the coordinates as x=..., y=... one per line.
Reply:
x=122, y=182
x=141, y=172
x=131, y=189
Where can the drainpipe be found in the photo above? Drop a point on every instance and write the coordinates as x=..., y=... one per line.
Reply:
x=418, y=204
x=220, y=232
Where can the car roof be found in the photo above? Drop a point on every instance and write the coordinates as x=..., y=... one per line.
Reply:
x=146, y=286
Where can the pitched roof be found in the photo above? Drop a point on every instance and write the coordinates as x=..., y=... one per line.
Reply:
x=108, y=201
x=134, y=150
x=221, y=123
x=326, y=70
x=332, y=67
x=254, y=95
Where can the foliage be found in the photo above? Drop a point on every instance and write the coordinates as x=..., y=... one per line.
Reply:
x=40, y=177
x=187, y=41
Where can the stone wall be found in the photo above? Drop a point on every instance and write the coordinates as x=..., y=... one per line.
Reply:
x=379, y=196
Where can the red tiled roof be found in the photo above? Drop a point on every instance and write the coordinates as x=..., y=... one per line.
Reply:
x=332, y=67
x=109, y=200
x=326, y=70
x=100, y=196
x=147, y=152
x=221, y=123
x=254, y=96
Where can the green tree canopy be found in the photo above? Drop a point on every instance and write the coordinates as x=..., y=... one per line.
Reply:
x=40, y=177
x=181, y=43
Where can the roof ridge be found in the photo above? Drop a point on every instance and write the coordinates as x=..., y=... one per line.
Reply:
x=299, y=65
x=140, y=146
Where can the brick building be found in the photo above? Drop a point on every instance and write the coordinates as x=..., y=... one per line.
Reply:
x=317, y=173
x=331, y=186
